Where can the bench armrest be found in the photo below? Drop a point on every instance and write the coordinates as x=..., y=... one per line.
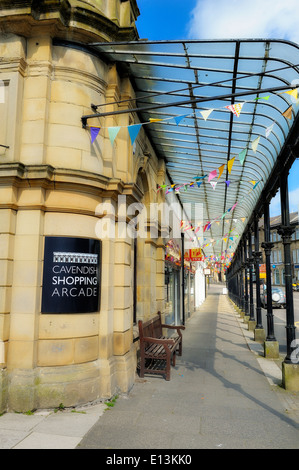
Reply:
x=174, y=327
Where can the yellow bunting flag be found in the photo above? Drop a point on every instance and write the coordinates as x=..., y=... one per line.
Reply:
x=288, y=113
x=230, y=164
x=293, y=93
x=155, y=120
x=220, y=169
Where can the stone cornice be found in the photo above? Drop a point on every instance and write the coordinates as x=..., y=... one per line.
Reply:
x=47, y=177
x=68, y=19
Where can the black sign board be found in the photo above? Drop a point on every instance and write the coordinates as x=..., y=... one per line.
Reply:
x=71, y=278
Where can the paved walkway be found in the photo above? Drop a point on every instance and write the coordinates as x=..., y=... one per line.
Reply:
x=222, y=394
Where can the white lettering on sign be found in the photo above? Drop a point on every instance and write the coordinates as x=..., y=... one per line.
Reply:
x=66, y=277
x=75, y=292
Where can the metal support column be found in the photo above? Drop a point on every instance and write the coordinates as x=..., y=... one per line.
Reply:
x=250, y=267
x=267, y=245
x=286, y=232
x=259, y=332
x=245, y=264
x=242, y=300
x=257, y=255
x=183, y=277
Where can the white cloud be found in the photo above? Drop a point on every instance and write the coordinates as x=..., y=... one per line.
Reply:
x=236, y=19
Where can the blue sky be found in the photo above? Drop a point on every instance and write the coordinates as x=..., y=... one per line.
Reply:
x=213, y=19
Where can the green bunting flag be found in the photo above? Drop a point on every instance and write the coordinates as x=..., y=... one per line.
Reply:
x=113, y=131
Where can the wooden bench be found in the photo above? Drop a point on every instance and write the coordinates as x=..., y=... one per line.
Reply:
x=158, y=351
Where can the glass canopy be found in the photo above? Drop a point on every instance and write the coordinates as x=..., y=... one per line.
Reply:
x=216, y=156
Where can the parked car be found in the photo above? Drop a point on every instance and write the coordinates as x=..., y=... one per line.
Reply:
x=278, y=297
x=295, y=286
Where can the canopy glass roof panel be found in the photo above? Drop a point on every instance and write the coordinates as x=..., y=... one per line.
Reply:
x=188, y=85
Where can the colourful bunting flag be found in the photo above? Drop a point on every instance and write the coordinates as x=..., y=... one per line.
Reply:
x=220, y=169
x=235, y=108
x=293, y=93
x=255, y=143
x=213, y=184
x=178, y=119
x=94, y=133
x=288, y=113
x=227, y=183
x=212, y=175
x=155, y=120
x=269, y=130
x=205, y=114
x=230, y=164
x=113, y=131
x=262, y=98
x=242, y=156
x=133, y=131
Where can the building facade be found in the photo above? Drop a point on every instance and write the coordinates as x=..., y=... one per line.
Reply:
x=74, y=277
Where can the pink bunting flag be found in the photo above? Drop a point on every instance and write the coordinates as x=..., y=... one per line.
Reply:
x=212, y=175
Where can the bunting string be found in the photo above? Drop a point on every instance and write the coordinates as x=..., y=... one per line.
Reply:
x=236, y=109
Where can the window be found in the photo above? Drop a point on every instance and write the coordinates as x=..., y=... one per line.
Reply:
x=294, y=256
x=276, y=277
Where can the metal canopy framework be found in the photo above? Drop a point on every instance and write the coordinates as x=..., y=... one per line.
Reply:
x=177, y=82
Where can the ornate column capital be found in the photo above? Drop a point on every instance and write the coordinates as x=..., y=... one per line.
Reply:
x=267, y=247
x=257, y=255
x=286, y=232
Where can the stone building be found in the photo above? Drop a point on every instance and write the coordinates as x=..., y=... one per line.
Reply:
x=69, y=295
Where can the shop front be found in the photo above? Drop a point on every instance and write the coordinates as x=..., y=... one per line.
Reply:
x=173, y=283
